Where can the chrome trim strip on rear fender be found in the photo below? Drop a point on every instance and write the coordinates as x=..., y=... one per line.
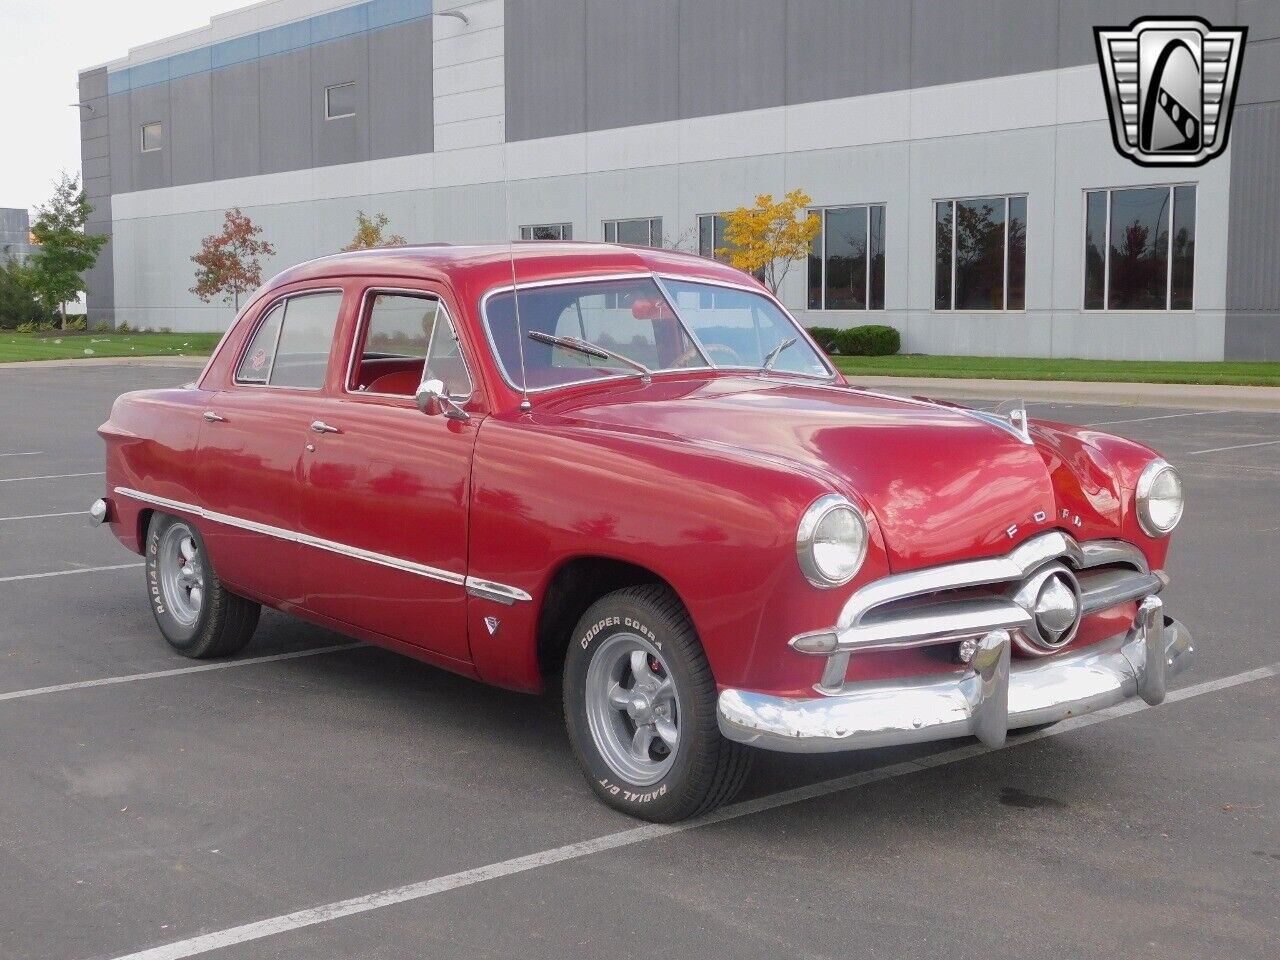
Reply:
x=475, y=587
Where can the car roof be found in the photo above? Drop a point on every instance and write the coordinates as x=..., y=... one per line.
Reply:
x=491, y=263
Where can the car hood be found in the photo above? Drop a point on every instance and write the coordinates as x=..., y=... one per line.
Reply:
x=942, y=483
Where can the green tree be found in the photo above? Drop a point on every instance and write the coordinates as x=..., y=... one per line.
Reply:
x=63, y=250
x=369, y=233
x=18, y=301
x=228, y=263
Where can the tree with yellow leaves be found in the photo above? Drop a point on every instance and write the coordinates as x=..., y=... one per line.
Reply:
x=369, y=233
x=765, y=240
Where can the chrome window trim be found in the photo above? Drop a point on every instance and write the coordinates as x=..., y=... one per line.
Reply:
x=362, y=327
x=473, y=585
x=271, y=305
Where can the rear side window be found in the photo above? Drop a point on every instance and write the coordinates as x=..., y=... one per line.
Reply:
x=292, y=344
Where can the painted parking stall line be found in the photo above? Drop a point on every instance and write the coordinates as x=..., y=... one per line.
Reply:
x=1238, y=446
x=54, y=476
x=68, y=573
x=47, y=516
x=246, y=933
x=24, y=453
x=1163, y=416
x=175, y=672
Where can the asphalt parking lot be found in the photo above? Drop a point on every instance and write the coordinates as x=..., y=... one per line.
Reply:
x=354, y=804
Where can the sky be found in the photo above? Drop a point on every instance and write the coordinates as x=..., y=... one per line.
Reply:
x=45, y=44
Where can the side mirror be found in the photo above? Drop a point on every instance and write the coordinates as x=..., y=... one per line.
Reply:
x=432, y=400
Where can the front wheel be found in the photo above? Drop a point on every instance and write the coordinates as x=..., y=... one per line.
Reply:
x=196, y=614
x=640, y=707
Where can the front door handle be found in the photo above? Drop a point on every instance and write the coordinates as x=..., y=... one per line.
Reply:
x=319, y=426
x=212, y=417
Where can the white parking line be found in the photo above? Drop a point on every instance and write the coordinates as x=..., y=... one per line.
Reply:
x=24, y=453
x=54, y=476
x=1165, y=416
x=47, y=516
x=176, y=671
x=67, y=573
x=1238, y=446
x=625, y=838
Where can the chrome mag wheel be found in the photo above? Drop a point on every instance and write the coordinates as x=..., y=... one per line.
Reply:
x=181, y=569
x=632, y=709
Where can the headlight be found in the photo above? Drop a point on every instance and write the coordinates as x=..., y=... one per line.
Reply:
x=831, y=542
x=1160, y=499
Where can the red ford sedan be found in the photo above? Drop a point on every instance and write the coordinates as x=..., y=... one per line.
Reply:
x=630, y=473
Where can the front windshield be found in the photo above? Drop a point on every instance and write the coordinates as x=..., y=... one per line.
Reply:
x=734, y=328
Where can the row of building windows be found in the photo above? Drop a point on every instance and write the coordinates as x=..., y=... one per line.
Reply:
x=1139, y=251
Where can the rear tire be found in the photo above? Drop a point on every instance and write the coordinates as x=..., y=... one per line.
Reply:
x=197, y=615
x=640, y=707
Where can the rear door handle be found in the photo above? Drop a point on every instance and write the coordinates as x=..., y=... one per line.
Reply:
x=213, y=417
x=319, y=426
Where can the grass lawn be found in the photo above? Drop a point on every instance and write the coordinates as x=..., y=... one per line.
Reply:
x=1040, y=368
x=70, y=346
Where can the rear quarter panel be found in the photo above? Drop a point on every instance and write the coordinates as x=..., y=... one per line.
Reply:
x=151, y=441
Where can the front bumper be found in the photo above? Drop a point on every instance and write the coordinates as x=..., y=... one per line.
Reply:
x=995, y=695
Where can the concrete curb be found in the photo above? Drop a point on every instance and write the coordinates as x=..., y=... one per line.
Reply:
x=1176, y=395
x=197, y=362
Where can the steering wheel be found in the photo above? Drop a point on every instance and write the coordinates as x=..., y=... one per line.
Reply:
x=734, y=358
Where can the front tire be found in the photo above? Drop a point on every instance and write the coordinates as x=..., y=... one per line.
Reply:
x=196, y=614
x=640, y=707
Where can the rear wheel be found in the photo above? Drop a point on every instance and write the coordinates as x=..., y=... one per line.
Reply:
x=196, y=614
x=640, y=706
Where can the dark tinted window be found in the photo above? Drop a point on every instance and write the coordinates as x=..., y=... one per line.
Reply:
x=1095, y=247
x=1139, y=249
x=1017, y=282
x=943, y=217
x=876, y=240
x=1184, y=246
x=846, y=259
x=645, y=232
x=980, y=254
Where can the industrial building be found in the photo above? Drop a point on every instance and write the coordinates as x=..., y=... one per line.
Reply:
x=906, y=121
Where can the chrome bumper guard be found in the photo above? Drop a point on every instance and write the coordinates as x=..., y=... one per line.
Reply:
x=994, y=696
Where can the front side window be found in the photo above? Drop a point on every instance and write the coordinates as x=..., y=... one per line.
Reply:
x=1140, y=248
x=152, y=136
x=846, y=259
x=292, y=343
x=980, y=254
x=710, y=326
x=547, y=231
x=408, y=339
x=644, y=232
x=340, y=101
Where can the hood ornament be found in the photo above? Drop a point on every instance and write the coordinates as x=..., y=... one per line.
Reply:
x=1010, y=416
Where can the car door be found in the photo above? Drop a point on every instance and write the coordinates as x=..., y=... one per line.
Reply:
x=252, y=441
x=390, y=483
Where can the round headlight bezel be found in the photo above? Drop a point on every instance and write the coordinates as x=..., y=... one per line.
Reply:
x=809, y=534
x=1146, y=483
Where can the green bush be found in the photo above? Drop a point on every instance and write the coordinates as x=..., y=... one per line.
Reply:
x=18, y=304
x=77, y=323
x=824, y=336
x=870, y=340
x=102, y=327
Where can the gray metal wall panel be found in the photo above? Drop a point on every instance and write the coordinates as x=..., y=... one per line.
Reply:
x=94, y=124
x=95, y=168
x=847, y=48
x=545, y=68
x=1260, y=72
x=93, y=147
x=1261, y=16
x=121, y=139
x=401, y=100
x=97, y=187
x=345, y=140
x=148, y=105
x=1252, y=336
x=1253, y=247
x=99, y=282
x=1077, y=18
x=95, y=160
x=632, y=62
x=93, y=83
x=285, y=91
x=190, y=134
x=732, y=55
x=974, y=39
x=235, y=121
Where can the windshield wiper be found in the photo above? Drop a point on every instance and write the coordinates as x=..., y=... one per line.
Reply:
x=776, y=352
x=592, y=350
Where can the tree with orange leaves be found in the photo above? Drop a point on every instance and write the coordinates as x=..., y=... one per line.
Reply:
x=765, y=240
x=228, y=263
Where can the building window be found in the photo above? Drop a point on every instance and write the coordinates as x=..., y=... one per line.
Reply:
x=846, y=259
x=152, y=136
x=711, y=234
x=547, y=231
x=1133, y=260
x=340, y=101
x=644, y=232
x=981, y=254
